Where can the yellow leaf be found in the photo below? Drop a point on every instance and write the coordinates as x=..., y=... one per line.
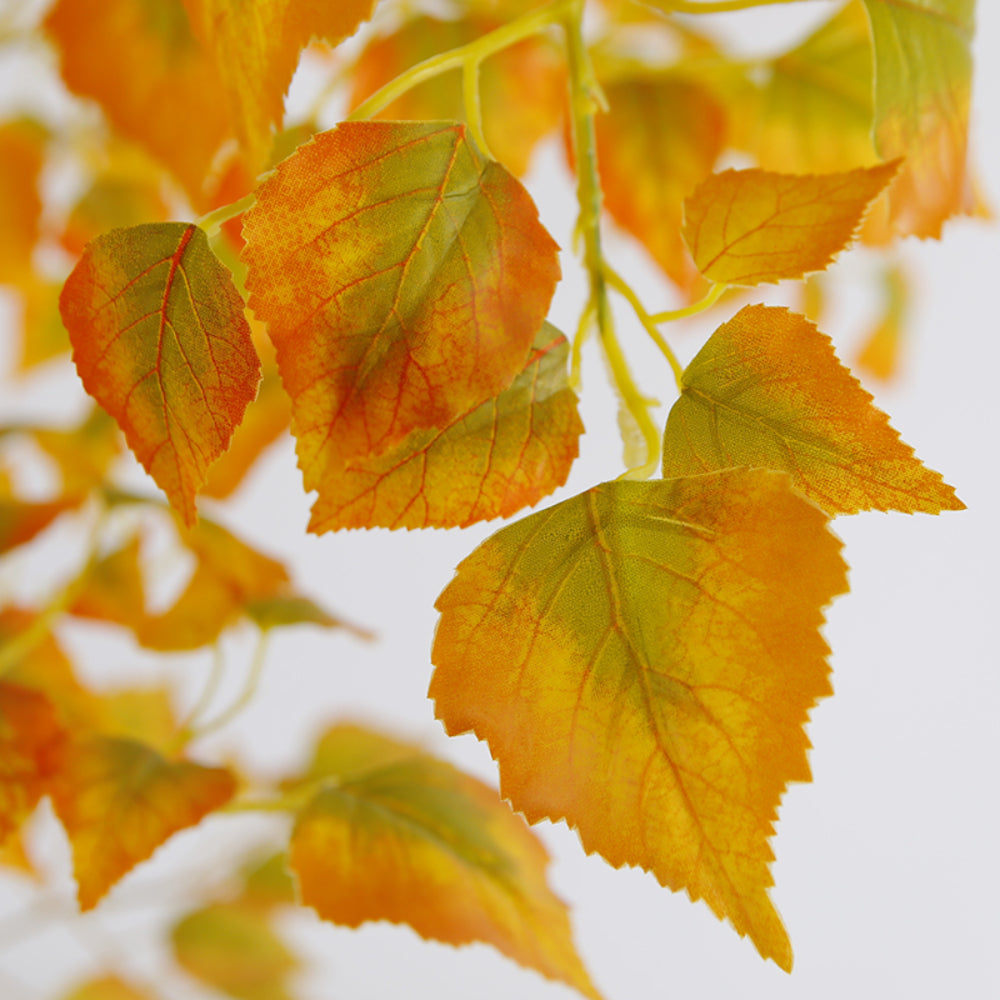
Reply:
x=397, y=835
x=641, y=660
x=881, y=347
x=745, y=227
x=119, y=800
x=22, y=153
x=107, y=988
x=923, y=81
x=160, y=341
x=767, y=390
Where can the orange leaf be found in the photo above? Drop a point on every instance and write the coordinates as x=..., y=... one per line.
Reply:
x=507, y=454
x=150, y=75
x=882, y=345
x=398, y=835
x=767, y=390
x=256, y=48
x=119, y=800
x=661, y=138
x=745, y=227
x=22, y=153
x=160, y=341
x=107, y=988
x=664, y=637
x=31, y=741
x=20, y=521
x=523, y=88
x=403, y=279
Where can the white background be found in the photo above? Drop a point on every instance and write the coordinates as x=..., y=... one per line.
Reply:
x=886, y=874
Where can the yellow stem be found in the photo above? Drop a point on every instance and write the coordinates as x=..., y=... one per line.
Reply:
x=212, y=221
x=705, y=302
x=473, y=105
x=716, y=6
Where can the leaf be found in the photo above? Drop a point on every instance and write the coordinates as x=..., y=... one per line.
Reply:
x=745, y=227
x=283, y=611
x=133, y=58
x=815, y=111
x=119, y=800
x=882, y=344
x=83, y=453
x=507, y=454
x=641, y=659
x=522, y=88
x=256, y=46
x=233, y=949
x=31, y=741
x=22, y=154
x=160, y=341
x=923, y=81
x=767, y=390
x=397, y=835
x=662, y=136
x=107, y=988
x=403, y=279
x=21, y=521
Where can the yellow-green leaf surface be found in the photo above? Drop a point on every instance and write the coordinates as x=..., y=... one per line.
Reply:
x=119, y=800
x=663, y=637
x=507, y=454
x=660, y=138
x=397, y=835
x=767, y=390
x=745, y=227
x=256, y=46
x=403, y=279
x=815, y=110
x=923, y=81
x=522, y=88
x=234, y=949
x=161, y=342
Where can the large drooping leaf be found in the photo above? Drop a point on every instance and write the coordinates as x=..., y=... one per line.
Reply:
x=256, y=46
x=814, y=113
x=395, y=834
x=767, y=390
x=506, y=454
x=923, y=81
x=745, y=227
x=119, y=800
x=161, y=342
x=403, y=279
x=641, y=660
x=661, y=137
x=523, y=88
x=135, y=57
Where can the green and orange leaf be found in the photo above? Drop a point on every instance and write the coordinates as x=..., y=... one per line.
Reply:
x=660, y=139
x=522, y=88
x=119, y=800
x=767, y=390
x=745, y=227
x=664, y=636
x=506, y=454
x=403, y=279
x=160, y=341
x=923, y=83
x=398, y=835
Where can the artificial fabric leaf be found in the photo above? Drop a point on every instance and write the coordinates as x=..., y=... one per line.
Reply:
x=133, y=57
x=923, y=82
x=767, y=390
x=401, y=836
x=745, y=227
x=664, y=637
x=283, y=610
x=661, y=137
x=814, y=114
x=403, y=279
x=522, y=88
x=119, y=800
x=31, y=743
x=43, y=335
x=265, y=421
x=881, y=347
x=22, y=153
x=268, y=882
x=83, y=453
x=142, y=714
x=507, y=454
x=233, y=949
x=256, y=49
x=160, y=341
x=113, y=589
x=107, y=988
x=21, y=520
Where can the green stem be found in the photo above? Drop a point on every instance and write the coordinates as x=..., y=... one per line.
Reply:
x=473, y=104
x=705, y=302
x=472, y=53
x=212, y=221
x=585, y=102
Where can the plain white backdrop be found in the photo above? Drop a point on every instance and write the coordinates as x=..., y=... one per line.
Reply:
x=886, y=871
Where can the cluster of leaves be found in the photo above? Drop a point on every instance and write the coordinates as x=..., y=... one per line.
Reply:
x=640, y=658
